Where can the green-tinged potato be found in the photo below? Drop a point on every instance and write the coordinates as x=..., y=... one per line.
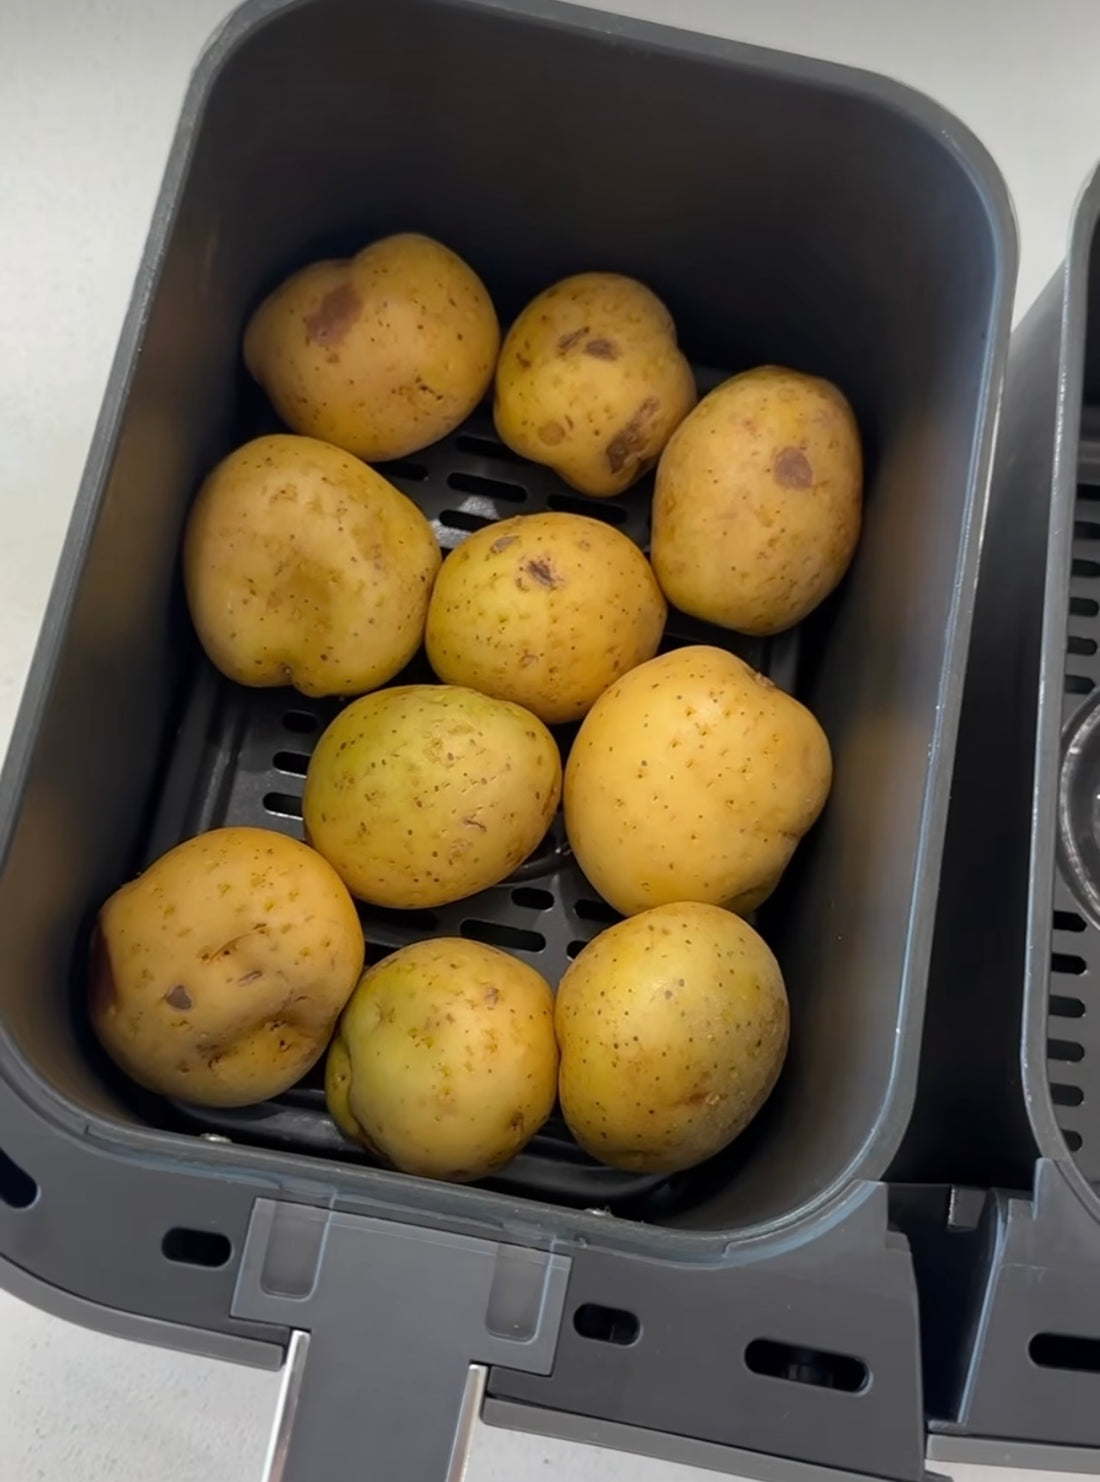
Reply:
x=692, y=779
x=591, y=381
x=424, y=794
x=217, y=975
x=381, y=353
x=305, y=567
x=546, y=610
x=673, y=1030
x=757, y=508
x=445, y=1062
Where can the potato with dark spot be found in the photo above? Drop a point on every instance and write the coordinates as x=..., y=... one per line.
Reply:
x=673, y=1030
x=381, y=353
x=218, y=974
x=591, y=382
x=693, y=778
x=546, y=610
x=305, y=567
x=757, y=508
x=424, y=794
x=445, y=1062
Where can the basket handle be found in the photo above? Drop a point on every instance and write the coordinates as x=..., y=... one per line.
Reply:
x=392, y=1329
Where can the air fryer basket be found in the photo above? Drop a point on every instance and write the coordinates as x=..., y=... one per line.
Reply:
x=1061, y=1045
x=906, y=314
x=1020, y=915
x=786, y=211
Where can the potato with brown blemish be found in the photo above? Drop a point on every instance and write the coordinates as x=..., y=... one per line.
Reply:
x=423, y=794
x=693, y=778
x=218, y=974
x=381, y=353
x=673, y=1030
x=757, y=508
x=445, y=1062
x=305, y=567
x=546, y=610
x=591, y=382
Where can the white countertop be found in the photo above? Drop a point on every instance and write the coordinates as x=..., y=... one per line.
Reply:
x=90, y=94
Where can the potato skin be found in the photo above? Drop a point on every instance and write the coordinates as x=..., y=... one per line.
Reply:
x=445, y=1062
x=545, y=610
x=757, y=507
x=217, y=975
x=673, y=1029
x=381, y=353
x=305, y=567
x=591, y=382
x=693, y=778
x=423, y=794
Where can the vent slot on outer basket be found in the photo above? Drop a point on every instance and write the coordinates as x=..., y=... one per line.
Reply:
x=607, y=1324
x=196, y=1247
x=1068, y=921
x=17, y=1189
x=1068, y=1051
x=815, y=1366
x=1065, y=1351
x=1065, y=1095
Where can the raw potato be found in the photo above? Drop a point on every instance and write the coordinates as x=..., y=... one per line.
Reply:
x=546, y=610
x=757, y=508
x=673, y=1030
x=425, y=794
x=591, y=381
x=305, y=567
x=218, y=974
x=445, y=1061
x=381, y=353
x=693, y=778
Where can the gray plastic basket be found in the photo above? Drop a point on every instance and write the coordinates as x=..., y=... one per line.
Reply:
x=786, y=210
x=1019, y=1351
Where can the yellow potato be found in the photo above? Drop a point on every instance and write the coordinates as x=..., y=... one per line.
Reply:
x=757, y=508
x=445, y=1062
x=424, y=794
x=218, y=974
x=591, y=381
x=692, y=779
x=673, y=1030
x=303, y=566
x=381, y=353
x=546, y=610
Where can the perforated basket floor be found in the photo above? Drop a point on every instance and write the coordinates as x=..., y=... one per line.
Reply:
x=241, y=756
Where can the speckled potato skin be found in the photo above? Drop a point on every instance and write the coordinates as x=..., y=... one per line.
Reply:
x=217, y=975
x=673, y=1030
x=424, y=794
x=445, y=1062
x=546, y=610
x=305, y=567
x=693, y=778
x=757, y=507
x=591, y=382
x=381, y=353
